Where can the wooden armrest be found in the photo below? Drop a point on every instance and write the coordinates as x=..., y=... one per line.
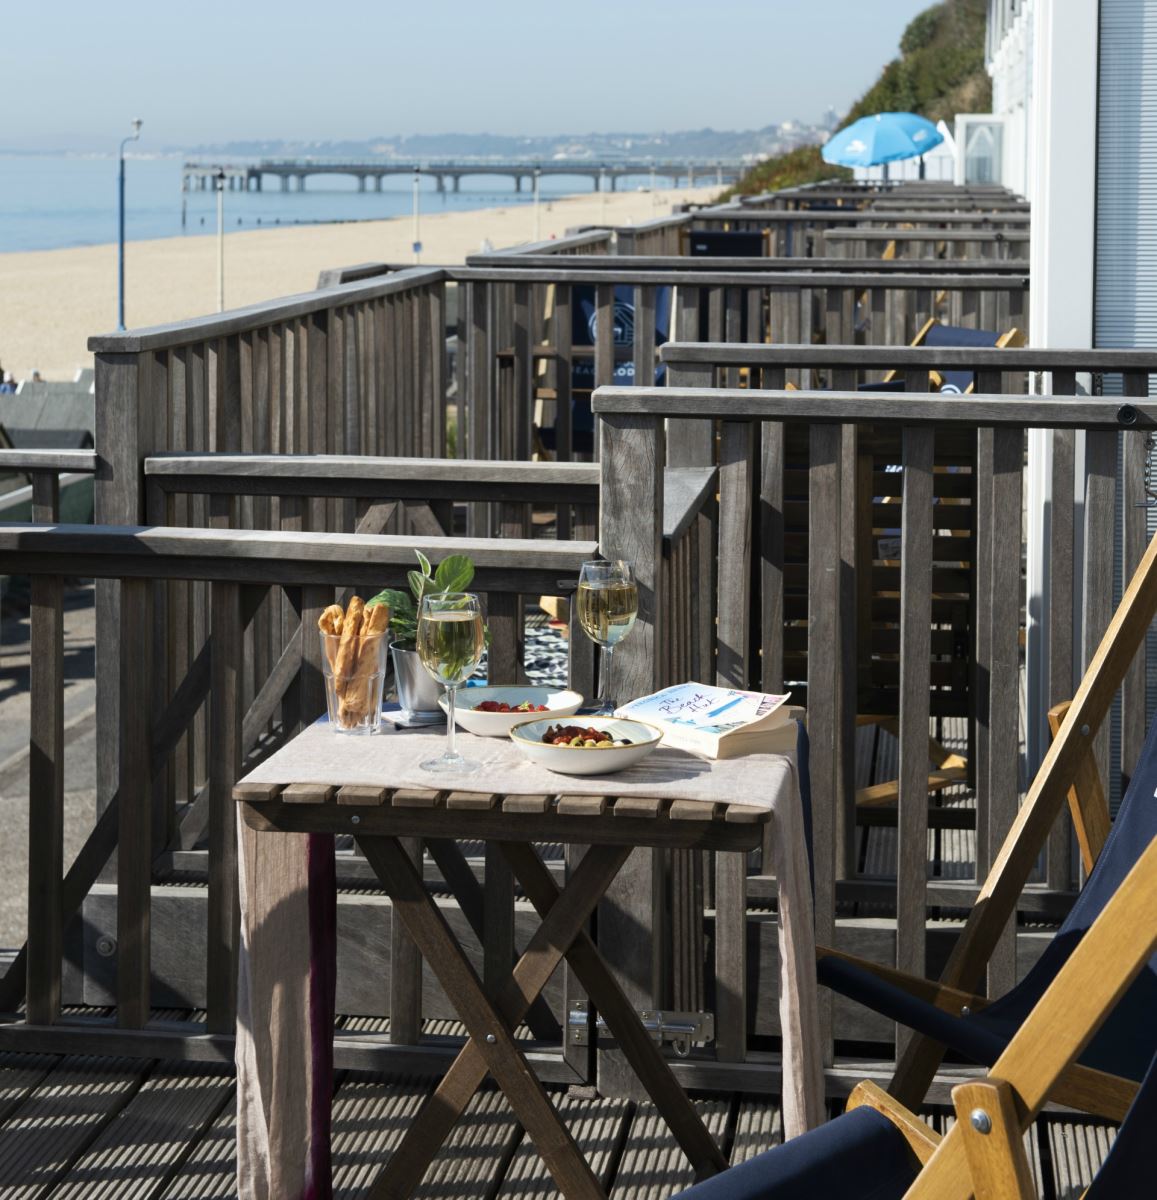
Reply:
x=922, y=1140
x=949, y=999
x=1095, y=1092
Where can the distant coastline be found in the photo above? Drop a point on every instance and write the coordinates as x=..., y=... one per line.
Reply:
x=52, y=301
x=54, y=201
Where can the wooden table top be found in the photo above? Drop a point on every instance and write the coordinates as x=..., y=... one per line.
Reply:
x=583, y=820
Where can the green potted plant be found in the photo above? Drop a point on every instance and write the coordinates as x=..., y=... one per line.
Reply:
x=417, y=691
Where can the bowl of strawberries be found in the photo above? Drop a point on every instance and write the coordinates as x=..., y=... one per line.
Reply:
x=493, y=711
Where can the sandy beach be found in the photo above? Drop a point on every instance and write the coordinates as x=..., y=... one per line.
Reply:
x=51, y=301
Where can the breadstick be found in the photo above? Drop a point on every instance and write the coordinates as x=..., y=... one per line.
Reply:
x=356, y=698
x=330, y=623
x=377, y=619
x=347, y=649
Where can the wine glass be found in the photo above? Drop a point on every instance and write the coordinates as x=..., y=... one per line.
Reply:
x=608, y=602
x=450, y=640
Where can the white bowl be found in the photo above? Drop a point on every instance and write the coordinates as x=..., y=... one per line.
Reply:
x=497, y=724
x=587, y=760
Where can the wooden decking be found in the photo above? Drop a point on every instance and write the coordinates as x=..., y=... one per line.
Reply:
x=103, y=1128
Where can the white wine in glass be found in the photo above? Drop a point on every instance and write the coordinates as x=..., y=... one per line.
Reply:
x=450, y=641
x=608, y=602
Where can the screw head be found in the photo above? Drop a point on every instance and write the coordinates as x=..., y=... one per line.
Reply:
x=980, y=1120
x=355, y=819
x=106, y=946
x=965, y=1011
x=1084, y=731
x=490, y=1039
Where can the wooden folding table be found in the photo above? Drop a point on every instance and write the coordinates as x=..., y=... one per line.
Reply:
x=324, y=786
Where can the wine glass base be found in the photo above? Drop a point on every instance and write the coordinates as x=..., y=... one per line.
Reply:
x=447, y=764
x=600, y=708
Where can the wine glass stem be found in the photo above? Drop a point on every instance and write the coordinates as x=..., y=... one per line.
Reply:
x=450, y=693
x=608, y=691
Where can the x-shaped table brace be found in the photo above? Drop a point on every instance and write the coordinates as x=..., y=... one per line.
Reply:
x=490, y=1021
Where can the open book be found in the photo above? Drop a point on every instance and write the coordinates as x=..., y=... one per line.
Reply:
x=717, y=722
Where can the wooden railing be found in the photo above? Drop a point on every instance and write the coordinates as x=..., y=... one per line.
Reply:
x=238, y=570
x=911, y=243
x=46, y=471
x=755, y=571
x=681, y=262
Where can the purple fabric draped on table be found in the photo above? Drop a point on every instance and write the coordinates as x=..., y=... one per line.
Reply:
x=296, y=893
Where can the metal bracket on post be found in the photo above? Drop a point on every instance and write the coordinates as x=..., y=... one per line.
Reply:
x=682, y=1029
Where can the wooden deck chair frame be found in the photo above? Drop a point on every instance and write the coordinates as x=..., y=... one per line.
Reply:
x=983, y=1155
x=1068, y=772
x=1038, y=1065
x=1010, y=339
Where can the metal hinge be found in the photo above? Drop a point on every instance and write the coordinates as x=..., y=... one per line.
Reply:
x=682, y=1029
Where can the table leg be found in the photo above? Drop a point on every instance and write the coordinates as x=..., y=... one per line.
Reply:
x=447, y=854
x=622, y=1020
x=489, y=1023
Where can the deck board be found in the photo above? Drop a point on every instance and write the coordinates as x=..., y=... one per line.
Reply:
x=61, y=1118
x=370, y=1115
x=652, y=1166
x=758, y=1127
x=597, y=1125
x=469, y=1165
x=145, y=1143
x=210, y=1170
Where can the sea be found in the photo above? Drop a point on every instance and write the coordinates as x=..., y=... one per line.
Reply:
x=50, y=201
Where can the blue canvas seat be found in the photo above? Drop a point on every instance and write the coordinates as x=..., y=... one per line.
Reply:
x=1127, y=1041
x=863, y=1146
x=582, y=382
x=863, y=1155
x=878, y=1149
x=938, y=335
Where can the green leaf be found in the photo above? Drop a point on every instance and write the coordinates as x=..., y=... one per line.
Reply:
x=454, y=573
x=417, y=585
x=400, y=603
x=423, y=562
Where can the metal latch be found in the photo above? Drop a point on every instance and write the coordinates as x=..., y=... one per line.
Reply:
x=682, y=1029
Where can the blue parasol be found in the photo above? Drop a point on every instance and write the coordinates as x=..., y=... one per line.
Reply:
x=882, y=138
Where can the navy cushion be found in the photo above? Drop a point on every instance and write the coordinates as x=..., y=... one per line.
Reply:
x=1128, y=1169
x=958, y=336
x=1127, y=1041
x=859, y=1156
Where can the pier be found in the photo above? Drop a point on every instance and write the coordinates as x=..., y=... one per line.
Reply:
x=292, y=173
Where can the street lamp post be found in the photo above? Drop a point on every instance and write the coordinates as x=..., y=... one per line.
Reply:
x=136, y=133
x=220, y=177
x=537, y=215
x=417, y=243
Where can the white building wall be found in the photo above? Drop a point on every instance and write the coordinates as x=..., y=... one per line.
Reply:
x=1010, y=64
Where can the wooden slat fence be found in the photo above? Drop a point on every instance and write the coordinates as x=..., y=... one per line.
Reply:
x=908, y=243
x=239, y=569
x=752, y=487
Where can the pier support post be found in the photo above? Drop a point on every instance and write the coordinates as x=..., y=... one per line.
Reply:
x=457, y=183
x=518, y=183
x=361, y=183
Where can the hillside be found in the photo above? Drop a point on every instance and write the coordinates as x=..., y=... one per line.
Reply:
x=940, y=72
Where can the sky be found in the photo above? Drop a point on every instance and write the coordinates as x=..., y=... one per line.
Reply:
x=76, y=72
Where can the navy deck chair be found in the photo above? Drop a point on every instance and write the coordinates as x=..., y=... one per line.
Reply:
x=944, y=1012
x=940, y=336
x=582, y=335
x=877, y=1150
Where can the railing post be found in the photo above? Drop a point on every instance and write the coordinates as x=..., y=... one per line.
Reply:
x=824, y=691
x=631, y=527
x=123, y=440
x=45, y=776
x=915, y=664
x=134, y=834
x=224, y=771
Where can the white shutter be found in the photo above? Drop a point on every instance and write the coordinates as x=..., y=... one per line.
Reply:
x=1125, y=311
